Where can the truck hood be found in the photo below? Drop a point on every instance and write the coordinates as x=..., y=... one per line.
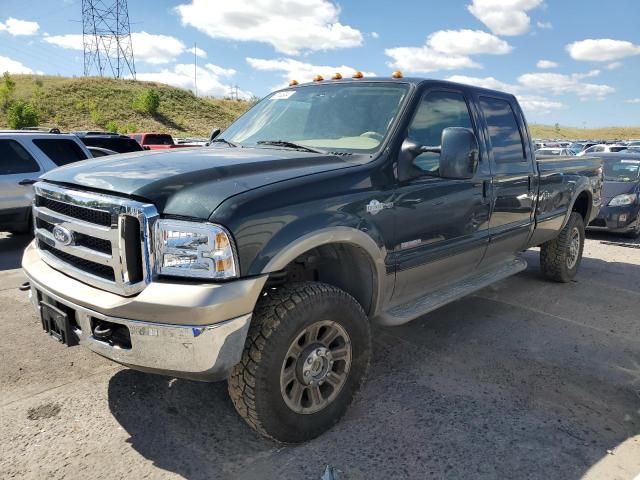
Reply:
x=611, y=189
x=192, y=182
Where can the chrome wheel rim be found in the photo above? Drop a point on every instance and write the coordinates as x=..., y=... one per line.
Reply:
x=315, y=367
x=574, y=248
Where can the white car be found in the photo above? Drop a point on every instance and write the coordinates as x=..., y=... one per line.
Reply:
x=555, y=152
x=24, y=156
x=602, y=148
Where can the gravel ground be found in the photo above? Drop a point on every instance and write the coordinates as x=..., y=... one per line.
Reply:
x=526, y=379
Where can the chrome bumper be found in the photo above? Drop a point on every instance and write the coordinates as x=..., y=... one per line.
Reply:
x=190, y=349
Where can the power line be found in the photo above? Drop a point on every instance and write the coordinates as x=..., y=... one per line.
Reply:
x=106, y=38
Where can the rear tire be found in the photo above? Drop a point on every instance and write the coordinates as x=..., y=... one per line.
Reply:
x=306, y=357
x=561, y=257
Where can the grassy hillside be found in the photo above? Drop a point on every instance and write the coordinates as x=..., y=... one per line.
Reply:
x=93, y=103
x=608, y=133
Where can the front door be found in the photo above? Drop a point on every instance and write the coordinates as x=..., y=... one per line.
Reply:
x=17, y=169
x=441, y=224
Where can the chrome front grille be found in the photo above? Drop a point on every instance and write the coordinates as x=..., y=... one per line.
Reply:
x=101, y=240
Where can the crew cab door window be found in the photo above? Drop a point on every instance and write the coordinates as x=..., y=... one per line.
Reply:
x=15, y=159
x=438, y=110
x=60, y=151
x=504, y=133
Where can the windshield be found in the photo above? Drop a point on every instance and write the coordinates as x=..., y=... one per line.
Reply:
x=350, y=118
x=621, y=170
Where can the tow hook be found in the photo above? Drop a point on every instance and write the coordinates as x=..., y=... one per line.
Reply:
x=102, y=332
x=25, y=287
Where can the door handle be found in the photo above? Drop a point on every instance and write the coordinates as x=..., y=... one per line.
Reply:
x=27, y=181
x=486, y=184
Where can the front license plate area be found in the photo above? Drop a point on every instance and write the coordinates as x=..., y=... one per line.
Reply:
x=57, y=324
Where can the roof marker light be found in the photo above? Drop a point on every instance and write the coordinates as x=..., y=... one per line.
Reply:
x=396, y=74
x=357, y=74
x=337, y=76
x=293, y=83
x=318, y=78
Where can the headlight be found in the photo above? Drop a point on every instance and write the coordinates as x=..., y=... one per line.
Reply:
x=191, y=249
x=624, y=199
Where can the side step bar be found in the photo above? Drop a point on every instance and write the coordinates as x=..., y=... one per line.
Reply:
x=422, y=305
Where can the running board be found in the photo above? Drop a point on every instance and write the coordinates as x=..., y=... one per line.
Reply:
x=416, y=308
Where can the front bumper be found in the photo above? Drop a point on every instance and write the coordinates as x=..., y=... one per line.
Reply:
x=203, y=340
x=615, y=219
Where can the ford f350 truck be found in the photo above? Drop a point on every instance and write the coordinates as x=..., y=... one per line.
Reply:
x=329, y=206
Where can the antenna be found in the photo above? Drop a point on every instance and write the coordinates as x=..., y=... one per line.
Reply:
x=195, y=69
x=106, y=38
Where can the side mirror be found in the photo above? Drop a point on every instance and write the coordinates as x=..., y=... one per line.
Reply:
x=214, y=133
x=459, y=153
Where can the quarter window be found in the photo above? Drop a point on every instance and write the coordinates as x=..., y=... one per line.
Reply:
x=437, y=111
x=504, y=133
x=15, y=159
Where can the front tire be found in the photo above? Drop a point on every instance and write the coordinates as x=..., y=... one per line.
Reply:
x=306, y=356
x=561, y=257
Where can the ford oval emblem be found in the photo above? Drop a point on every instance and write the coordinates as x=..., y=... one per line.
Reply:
x=62, y=235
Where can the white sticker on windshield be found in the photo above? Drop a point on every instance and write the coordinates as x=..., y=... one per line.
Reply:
x=282, y=95
x=637, y=162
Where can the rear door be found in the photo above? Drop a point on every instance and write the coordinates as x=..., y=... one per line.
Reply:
x=18, y=168
x=514, y=176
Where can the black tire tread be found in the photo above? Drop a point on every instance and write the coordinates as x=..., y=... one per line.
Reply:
x=552, y=253
x=267, y=317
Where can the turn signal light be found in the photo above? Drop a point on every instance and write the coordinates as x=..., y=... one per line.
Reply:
x=293, y=83
x=318, y=78
x=357, y=74
x=396, y=74
x=336, y=76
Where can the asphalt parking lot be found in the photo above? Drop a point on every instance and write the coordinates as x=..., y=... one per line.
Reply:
x=526, y=379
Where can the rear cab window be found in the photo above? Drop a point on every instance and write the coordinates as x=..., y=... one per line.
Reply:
x=15, y=159
x=504, y=131
x=60, y=151
x=158, y=139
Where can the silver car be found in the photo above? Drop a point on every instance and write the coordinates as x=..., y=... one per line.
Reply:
x=24, y=156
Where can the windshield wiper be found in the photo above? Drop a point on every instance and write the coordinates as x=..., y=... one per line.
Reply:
x=284, y=143
x=223, y=140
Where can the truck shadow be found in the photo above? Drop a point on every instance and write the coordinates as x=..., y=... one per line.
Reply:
x=486, y=387
x=11, y=248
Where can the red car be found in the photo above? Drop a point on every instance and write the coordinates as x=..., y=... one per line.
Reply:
x=156, y=141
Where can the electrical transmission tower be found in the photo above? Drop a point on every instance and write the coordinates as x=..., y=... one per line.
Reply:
x=106, y=38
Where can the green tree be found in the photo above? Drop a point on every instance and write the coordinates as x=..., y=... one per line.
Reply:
x=111, y=126
x=147, y=102
x=22, y=114
x=7, y=87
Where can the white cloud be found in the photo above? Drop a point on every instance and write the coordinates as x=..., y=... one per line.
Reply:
x=467, y=42
x=544, y=25
x=633, y=100
x=504, y=17
x=290, y=26
x=562, y=84
x=147, y=47
x=486, y=82
x=12, y=66
x=375, y=35
x=210, y=82
x=16, y=27
x=447, y=50
x=425, y=60
x=602, y=50
x=546, y=64
x=614, y=65
x=197, y=51
x=302, y=72
x=529, y=103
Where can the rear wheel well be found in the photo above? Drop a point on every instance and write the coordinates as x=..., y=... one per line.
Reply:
x=342, y=265
x=582, y=206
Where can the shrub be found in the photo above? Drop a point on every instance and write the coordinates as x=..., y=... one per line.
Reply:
x=96, y=117
x=22, y=114
x=111, y=126
x=147, y=101
x=7, y=87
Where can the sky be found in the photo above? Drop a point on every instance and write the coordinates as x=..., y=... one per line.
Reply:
x=573, y=62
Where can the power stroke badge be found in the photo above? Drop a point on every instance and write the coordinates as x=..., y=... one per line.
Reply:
x=374, y=207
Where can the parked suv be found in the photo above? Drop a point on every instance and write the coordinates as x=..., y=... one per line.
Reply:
x=24, y=156
x=110, y=141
